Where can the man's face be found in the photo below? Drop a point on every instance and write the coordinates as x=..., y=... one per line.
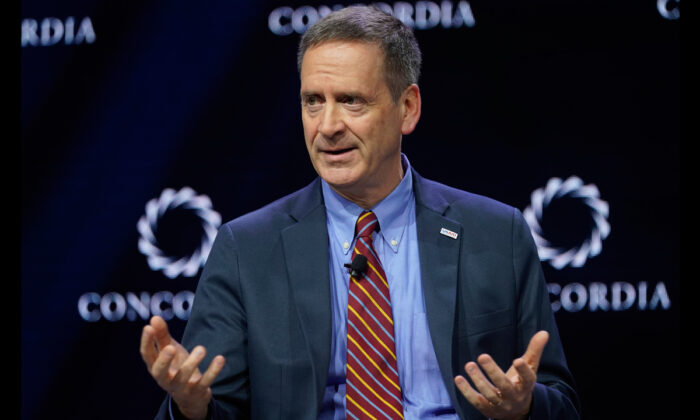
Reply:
x=351, y=125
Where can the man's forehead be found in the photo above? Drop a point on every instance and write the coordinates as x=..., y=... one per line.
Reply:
x=342, y=47
x=352, y=64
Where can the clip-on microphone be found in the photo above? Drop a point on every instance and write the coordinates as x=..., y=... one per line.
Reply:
x=358, y=266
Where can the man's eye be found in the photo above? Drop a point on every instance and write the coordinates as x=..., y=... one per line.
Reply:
x=312, y=102
x=352, y=100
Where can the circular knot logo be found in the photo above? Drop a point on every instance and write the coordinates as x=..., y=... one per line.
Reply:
x=176, y=217
x=568, y=221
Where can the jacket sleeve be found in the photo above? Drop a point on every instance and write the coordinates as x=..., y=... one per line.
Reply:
x=554, y=396
x=218, y=322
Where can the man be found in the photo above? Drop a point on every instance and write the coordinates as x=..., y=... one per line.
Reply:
x=446, y=282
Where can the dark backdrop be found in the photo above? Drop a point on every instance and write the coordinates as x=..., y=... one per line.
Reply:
x=124, y=100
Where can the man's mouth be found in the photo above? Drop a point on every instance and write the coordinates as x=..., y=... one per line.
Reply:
x=338, y=151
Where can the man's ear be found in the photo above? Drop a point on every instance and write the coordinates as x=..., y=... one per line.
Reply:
x=410, y=108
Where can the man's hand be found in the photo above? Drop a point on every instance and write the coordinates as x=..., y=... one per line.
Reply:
x=506, y=395
x=177, y=371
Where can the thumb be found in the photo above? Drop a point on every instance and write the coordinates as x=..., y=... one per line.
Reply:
x=535, y=348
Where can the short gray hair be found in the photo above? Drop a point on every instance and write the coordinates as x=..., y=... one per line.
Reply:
x=402, y=57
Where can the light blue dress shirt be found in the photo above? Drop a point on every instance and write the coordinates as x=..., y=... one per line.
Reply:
x=424, y=392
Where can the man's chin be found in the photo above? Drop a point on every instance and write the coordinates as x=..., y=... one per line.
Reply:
x=339, y=178
x=340, y=183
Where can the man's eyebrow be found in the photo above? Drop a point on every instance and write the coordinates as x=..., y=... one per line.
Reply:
x=366, y=97
x=351, y=94
x=307, y=94
x=354, y=94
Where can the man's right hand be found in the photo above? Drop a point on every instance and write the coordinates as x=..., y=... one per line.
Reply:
x=177, y=371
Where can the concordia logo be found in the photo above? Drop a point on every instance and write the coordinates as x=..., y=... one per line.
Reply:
x=583, y=219
x=420, y=15
x=588, y=195
x=669, y=9
x=51, y=31
x=113, y=306
x=186, y=198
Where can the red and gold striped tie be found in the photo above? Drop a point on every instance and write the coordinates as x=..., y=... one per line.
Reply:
x=372, y=379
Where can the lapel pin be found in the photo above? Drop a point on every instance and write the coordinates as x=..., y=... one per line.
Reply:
x=449, y=233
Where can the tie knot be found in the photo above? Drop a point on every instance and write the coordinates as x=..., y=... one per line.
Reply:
x=366, y=224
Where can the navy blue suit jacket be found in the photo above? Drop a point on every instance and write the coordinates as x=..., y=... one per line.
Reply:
x=263, y=302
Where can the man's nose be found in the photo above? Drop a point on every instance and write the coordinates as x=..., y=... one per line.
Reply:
x=331, y=123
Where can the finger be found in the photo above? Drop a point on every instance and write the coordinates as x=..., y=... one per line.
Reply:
x=475, y=398
x=161, y=333
x=535, y=348
x=215, y=367
x=148, y=348
x=161, y=367
x=482, y=384
x=495, y=374
x=528, y=376
x=187, y=374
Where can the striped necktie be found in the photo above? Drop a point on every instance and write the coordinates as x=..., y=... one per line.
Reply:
x=372, y=379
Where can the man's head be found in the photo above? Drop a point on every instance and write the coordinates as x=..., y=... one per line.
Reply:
x=354, y=107
x=402, y=57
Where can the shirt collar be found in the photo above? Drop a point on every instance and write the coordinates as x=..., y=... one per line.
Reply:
x=392, y=212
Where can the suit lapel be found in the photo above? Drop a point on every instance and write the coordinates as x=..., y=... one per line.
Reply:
x=306, y=255
x=439, y=259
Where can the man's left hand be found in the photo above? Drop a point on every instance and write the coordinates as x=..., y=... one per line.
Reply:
x=504, y=395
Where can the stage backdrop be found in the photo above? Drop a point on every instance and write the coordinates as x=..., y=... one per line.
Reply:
x=147, y=124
